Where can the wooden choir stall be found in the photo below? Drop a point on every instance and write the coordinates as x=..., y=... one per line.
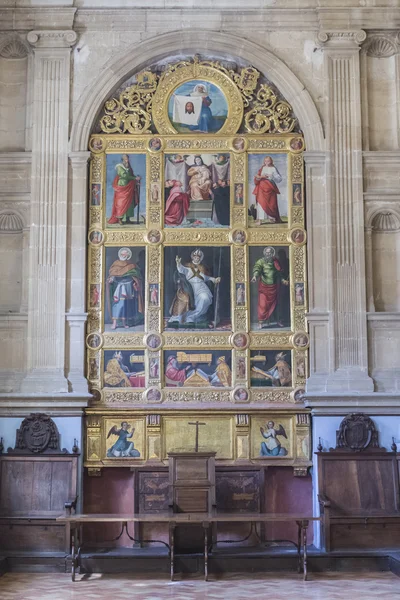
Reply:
x=188, y=504
x=38, y=480
x=359, y=490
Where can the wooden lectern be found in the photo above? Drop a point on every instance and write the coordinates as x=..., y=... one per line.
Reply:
x=192, y=481
x=191, y=490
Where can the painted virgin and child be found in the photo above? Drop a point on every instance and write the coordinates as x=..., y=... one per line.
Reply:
x=197, y=182
x=124, y=291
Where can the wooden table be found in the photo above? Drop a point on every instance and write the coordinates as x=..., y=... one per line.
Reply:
x=76, y=522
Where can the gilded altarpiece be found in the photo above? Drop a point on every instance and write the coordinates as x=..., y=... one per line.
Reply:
x=197, y=289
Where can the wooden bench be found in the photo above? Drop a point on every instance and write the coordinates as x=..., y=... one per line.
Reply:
x=76, y=522
x=37, y=480
x=359, y=490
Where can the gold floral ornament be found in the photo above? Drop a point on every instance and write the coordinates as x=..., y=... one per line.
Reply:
x=131, y=113
x=269, y=114
x=247, y=81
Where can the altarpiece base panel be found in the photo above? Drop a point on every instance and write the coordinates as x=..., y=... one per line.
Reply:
x=197, y=287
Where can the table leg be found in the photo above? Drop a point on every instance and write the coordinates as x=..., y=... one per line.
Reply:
x=205, y=527
x=73, y=542
x=172, y=548
x=299, y=560
x=304, y=529
x=76, y=551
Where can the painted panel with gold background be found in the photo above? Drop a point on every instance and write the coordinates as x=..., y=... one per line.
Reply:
x=197, y=290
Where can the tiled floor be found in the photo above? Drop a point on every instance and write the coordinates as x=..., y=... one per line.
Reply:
x=285, y=586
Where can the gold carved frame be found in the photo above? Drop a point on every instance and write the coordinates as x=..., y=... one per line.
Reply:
x=127, y=126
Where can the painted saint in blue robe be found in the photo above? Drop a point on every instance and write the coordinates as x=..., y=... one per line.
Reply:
x=123, y=447
x=206, y=120
x=272, y=447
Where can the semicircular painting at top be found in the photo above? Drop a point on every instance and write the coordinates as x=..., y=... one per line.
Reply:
x=197, y=106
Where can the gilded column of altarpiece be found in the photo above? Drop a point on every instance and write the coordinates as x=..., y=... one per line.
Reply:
x=197, y=284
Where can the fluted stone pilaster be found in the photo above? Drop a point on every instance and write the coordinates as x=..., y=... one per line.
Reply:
x=47, y=282
x=348, y=362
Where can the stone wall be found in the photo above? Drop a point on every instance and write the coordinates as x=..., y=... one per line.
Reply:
x=339, y=67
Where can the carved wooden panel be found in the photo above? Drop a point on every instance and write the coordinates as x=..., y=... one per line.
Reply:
x=152, y=489
x=239, y=491
x=236, y=490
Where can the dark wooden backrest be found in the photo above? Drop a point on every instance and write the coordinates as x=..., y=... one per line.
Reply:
x=37, y=486
x=192, y=481
x=359, y=483
x=237, y=489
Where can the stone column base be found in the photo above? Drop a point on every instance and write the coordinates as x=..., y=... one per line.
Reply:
x=44, y=381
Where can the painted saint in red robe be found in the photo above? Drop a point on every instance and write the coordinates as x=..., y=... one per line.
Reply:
x=269, y=274
x=177, y=204
x=126, y=193
x=266, y=192
x=173, y=374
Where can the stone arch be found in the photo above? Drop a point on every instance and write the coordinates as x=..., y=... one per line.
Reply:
x=122, y=66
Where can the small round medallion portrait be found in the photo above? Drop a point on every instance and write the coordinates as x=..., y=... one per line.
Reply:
x=155, y=144
x=153, y=394
x=96, y=395
x=153, y=341
x=97, y=144
x=297, y=236
x=154, y=236
x=300, y=339
x=298, y=394
x=239, y=144
x=240, y=394
x=96, y=237
x=94, y=341
x=240, y=340
x=197, y=106
x=238, y=236
x=296, y=144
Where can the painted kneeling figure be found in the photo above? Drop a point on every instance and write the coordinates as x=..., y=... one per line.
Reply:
x=123, y=447
x=272, y=446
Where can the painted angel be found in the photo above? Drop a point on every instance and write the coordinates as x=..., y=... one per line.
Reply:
x=123, y=446
x=272, y=445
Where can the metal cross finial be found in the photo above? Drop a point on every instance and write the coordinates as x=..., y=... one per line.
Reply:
x=197, y=423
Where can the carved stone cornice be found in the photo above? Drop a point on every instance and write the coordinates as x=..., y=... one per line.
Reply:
x=52, y=38
x=375, y=403
x=336, y=38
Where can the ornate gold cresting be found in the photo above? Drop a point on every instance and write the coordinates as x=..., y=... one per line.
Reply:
x=269, y=114
x=131, y=113
x=146, y=101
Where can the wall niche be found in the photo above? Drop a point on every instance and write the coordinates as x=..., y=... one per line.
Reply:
x=14, y=57
x=385, y=256
x=11, y=259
